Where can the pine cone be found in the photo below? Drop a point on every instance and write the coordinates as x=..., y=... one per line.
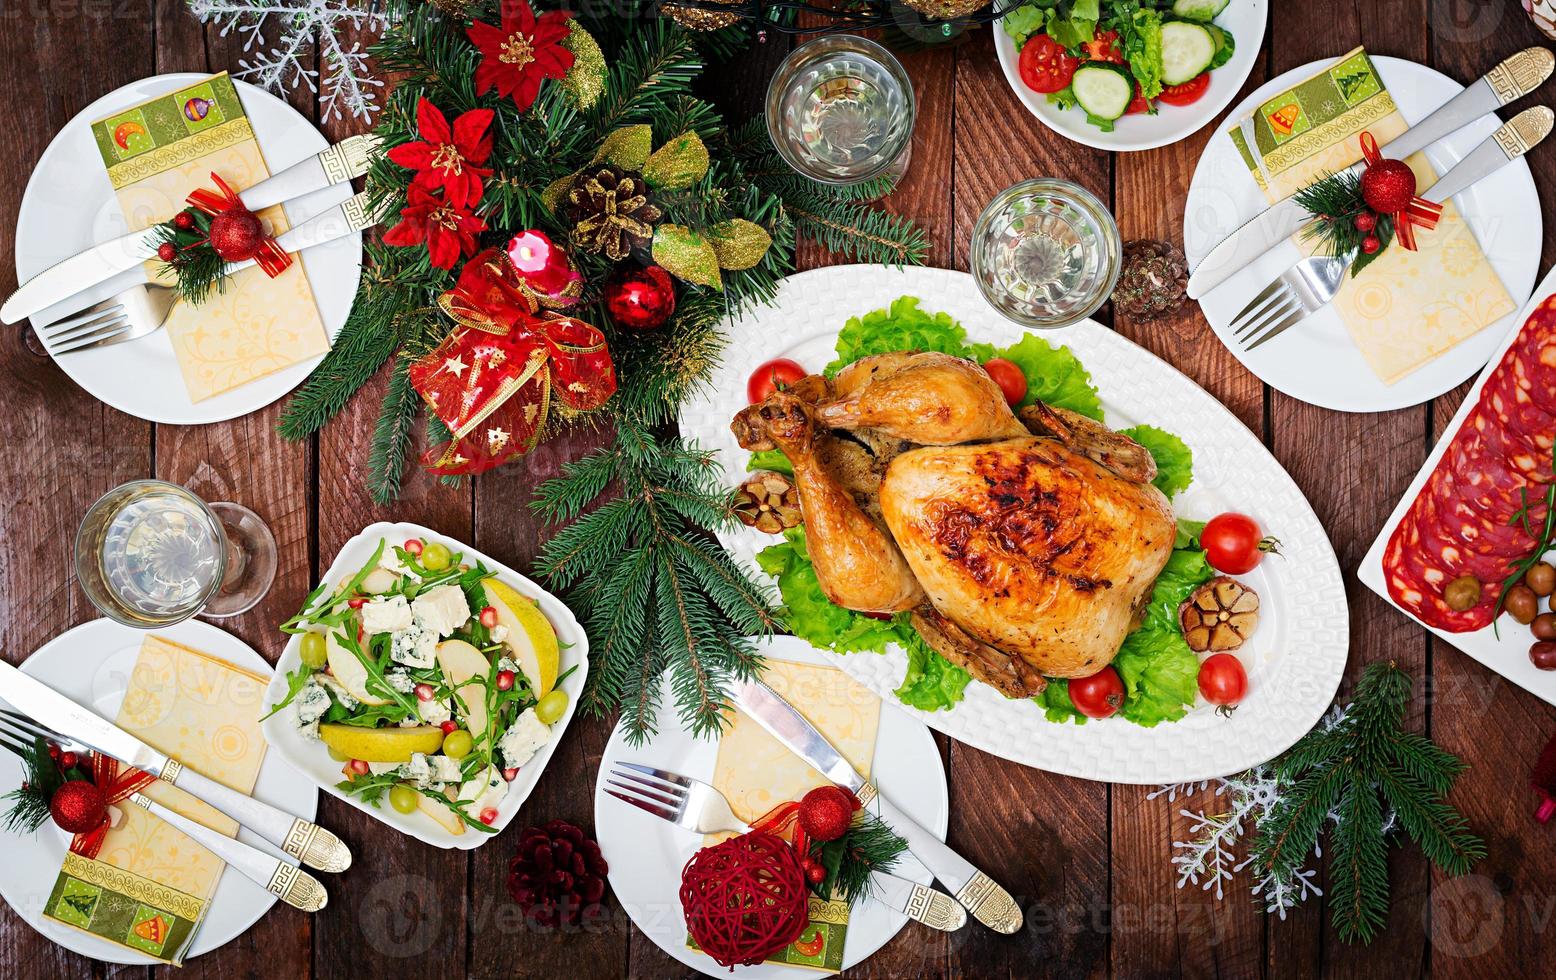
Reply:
x=610, y=211
x=558, y=875
x=946, y=9
x=1154, y=280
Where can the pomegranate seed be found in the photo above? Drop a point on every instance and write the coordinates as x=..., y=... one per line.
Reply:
x=413, y=545
x=359, y=767
x=68, y=760
x=504, y=680
x=361, y=633
x=424, y=692
x=510, y=774
x=489, y=815
x=448, y=726
x=357, y=601
x=489, y=617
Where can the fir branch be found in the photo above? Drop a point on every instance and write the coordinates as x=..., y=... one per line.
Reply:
x=1359, y=873
x=859, y=232
x=367, y=339
x=870, y=845
x=392, y=434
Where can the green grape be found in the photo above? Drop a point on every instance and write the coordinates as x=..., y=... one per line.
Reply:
x=551, y=707
x=403, y=798
x=313, y=650
x=457, y=744
x=435, y=557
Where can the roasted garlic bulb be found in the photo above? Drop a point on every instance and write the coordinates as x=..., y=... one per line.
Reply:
x=1219, y=616
x=768, y=501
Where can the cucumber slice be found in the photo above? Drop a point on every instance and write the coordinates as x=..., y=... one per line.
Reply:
x=1203, y=11
x=1103, y=90
x=1187, y=50
x=1225, y=46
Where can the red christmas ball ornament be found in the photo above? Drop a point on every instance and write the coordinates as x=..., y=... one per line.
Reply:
x=1388, y=186
x=640, y=299
x=1371, y=244
x=237, y=235
x=183, y=221
x=1366, y=221
x=826, y=812
x=78, y=807
x=744, y=898
x=167, y=251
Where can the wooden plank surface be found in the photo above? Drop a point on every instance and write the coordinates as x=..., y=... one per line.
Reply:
x=1090, y=863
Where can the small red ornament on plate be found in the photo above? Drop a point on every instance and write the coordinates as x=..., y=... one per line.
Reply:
x=237, y=234
x=1389, y=187
x=640, y=299
x=826, y=812
x=1371, y=244
x=1366, y=221
x=78, y=807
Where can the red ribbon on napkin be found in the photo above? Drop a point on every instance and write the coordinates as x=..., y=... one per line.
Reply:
x=1419, y=211
x=116, y=784
x=270, y=256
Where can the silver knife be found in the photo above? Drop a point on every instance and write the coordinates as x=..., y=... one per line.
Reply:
x=343, y=161
x=1512, y=79
x=306, y=841
x=976, y=891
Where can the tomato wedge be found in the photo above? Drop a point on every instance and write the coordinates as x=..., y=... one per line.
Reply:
x=1138, y=104
x=1104, y=47
x=1187, y=93
x=1045, y=65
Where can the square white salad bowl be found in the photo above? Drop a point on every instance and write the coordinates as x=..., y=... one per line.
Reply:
x=312, y=758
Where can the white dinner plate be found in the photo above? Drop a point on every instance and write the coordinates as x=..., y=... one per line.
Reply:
x=69, y=206
x=1294, y=659
x=646, y=854
x=1243, y=19
x=1507, y=654
x=313, y=759
x=91, y=665
x=1316, y=361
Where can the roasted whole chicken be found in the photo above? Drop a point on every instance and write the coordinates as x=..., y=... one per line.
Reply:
x=1023, y=547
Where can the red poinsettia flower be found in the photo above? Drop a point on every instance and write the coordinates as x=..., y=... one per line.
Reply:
x=447, y=231
x=449, y=158
x=521, y=53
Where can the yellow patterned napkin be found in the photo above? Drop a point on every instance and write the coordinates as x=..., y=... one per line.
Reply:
x=756, y=773
x=149, y=887
x=156, y=154
x=1406, y=308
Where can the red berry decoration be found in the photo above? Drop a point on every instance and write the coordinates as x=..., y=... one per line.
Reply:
x=1366, y=221
x=640, y=299
x=68, y=760
x=826, y=812
x=1388, y=186
x=236, y=235
x=1371, y=244
x=78, y=807
x=815, y=873
x=744, y=898
x=167, y=252
x=183, y=221
x=558, y=875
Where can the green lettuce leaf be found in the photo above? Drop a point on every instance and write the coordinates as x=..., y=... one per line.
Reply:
x=1174, y=459
x=1159, y=671
x=1141, y=34
x=903, y=326
x=1054, y=374
x=1056, y=703
x=775, y=460
x=1022, y=23
x=1072, y=31
x=932, y=682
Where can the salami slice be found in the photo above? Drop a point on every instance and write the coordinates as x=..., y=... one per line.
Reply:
x=1534, y=355
x=1465, y=523
x=1416, y=582
x=1506, y=396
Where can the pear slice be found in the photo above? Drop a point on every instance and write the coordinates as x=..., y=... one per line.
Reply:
x=442, y=815
x=347, y=669
x=460, y=662
x=381, y=744
x=530, y=636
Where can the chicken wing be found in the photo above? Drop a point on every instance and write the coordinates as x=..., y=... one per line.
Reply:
x=928, y=398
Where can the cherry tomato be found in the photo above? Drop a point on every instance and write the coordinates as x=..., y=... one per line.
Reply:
x=1099, y=695
x=1104, y=47
x=1187, y=93
x=1045, y=66
x=1234, y=544
x=769, y=377
x=1222, y=680
x=1008, y=375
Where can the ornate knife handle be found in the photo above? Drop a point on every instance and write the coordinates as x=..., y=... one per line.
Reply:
x=305, y=841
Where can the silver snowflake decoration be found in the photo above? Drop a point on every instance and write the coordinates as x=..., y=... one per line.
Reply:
x=281, y=62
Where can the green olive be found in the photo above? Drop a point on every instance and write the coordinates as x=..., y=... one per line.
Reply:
x=403, y=798
x=1522, y=604
x=313, y=651
x=457, y=744
x=551, y=707
x=1541, y=578
x=1462, y=593
x=435, y=557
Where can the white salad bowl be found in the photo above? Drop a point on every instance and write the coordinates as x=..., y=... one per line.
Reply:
x=1244, y=19
x=311, y=758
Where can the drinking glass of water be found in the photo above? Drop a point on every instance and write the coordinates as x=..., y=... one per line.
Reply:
x=1046, y=253
x=151, y=553
x=840, y=110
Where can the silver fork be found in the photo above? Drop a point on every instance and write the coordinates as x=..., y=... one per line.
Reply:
x=1301, y=290
x=694, y=805
x=130, y=315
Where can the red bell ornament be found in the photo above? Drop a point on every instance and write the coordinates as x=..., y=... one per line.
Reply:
x=640, y=299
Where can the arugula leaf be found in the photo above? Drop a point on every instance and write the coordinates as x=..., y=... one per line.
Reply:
x=1174, y=459
x=295, y=682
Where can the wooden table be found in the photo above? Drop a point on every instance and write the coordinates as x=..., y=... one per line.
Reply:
x=1090, y=862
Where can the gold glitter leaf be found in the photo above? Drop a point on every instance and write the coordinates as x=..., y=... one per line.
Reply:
x=738, y=243
x=585, y=81
x=678, y=164
x=555, y=194
x=627, y=147
x=687, y=255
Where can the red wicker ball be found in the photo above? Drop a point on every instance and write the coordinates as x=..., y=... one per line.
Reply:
x=744, y=898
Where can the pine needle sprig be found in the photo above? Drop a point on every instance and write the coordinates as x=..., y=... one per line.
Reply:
x=392, y=434
x=1335, y=200
x=29, y=803
x=870, y=845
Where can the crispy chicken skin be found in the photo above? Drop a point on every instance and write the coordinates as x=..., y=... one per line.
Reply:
x=1028, y=546
x=930, y=399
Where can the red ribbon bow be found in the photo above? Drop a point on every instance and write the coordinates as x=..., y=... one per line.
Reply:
x=492, y=380
x=116, y=784
x=270, y=256
x=1419, y=211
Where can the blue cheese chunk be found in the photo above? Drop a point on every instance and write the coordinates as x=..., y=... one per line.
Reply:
x=414, y=647
x=383, y=768
x=338, y=691
x=442, y=610
x=434, y=712
x=390, y=561
x=400, y=680
x=486, y=790
x=388, y=615
x=444, y=769
x=523, y=739
x=417, y=771
x=311, y=702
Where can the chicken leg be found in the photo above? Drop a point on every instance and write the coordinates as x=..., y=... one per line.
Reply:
x=928, y=398
x=856, y=561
